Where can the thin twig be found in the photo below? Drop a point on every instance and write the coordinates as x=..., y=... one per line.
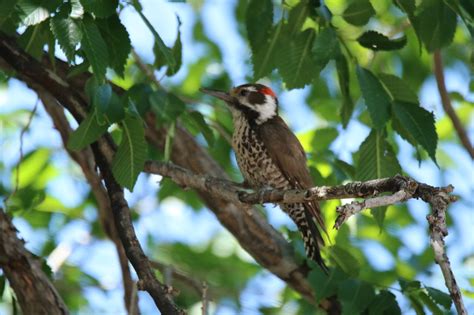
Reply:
x=146, y=69
x=205, y=299
x=447, y=106
x=22, y=134
x=348, y=210
x=133, y=300
x=179, y=275
x=438, y=230
x=221, y=131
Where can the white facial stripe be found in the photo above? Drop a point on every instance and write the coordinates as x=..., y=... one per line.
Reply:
x=266, y=110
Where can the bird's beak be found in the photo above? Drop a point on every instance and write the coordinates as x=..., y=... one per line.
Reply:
x=219, y=94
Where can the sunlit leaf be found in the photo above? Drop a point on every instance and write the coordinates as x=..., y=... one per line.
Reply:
x=32, y=13
x=30, y=168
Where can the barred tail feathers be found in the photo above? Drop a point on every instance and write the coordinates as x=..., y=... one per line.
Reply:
x=312, y=238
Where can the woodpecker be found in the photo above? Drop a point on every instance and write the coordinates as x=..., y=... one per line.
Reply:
x=270, y=156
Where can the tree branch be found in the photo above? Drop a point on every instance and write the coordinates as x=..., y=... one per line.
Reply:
x=187, y=279
x=34, y=291
x=438, y=230
x=85, y=160
x=135, y=254
x=263, y=242
x=404, y=187
x=447, y=106
x=39, y=76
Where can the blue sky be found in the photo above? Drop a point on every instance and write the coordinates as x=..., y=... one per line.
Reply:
x=220, y=26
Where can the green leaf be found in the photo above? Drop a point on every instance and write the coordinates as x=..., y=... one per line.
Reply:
x=177, y=51
x=379, y=216
x=440, y=297
x=117, y=39
x=375, y=96
x=323, y=138
x=170, y=133
x=87, y=132
x=398, y=89
x=167, y=106
x=77, y=10
x=132, y=152
x=430, y=304
x=435, y=24
x=347, y=106
x=115, y=111
x=408, y=6
x=298, y=15
x=408, y=286
x=160, y=59
x=345, y=260
x=258, y=21
x=358, y=13
x=101, y=99
x=100, y=8
x=326, y=285
x=376, y=158
x=34, y=38
x=355, y=296
x=420, y=124
x=8, y=11
x=94, y=48
x=140, y=94
x=326, y=47
x=347, y=170
x=32, y=13
x=377, y=41
x=294, y=61
x=159, y=45
x=30, y=168
x=384, y=303
x=68, y=34
x=195, y=121
x=263, y=59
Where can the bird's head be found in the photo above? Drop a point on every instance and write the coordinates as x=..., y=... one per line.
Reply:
x=257, y=102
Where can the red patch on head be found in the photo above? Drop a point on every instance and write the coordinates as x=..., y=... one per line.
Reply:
x=267, y=91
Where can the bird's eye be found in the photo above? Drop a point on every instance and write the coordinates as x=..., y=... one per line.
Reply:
x=243, y=92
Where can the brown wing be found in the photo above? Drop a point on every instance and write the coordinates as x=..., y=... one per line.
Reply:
x=286, y=150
